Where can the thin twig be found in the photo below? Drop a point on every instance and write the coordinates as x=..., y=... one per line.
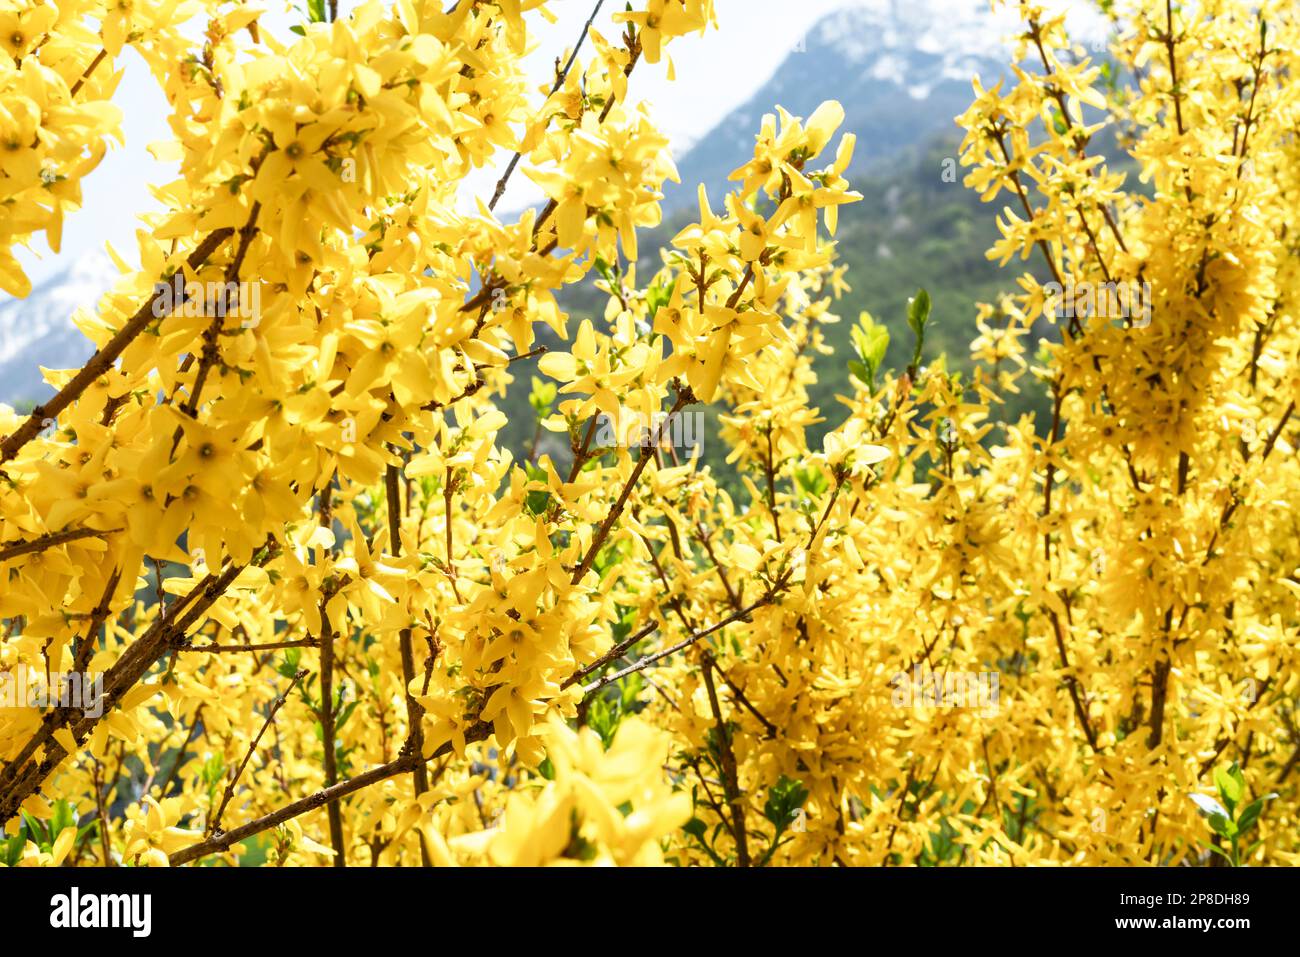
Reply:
x=214, y=825
x=743, y=613
x=265, y=646
x=560, y=77
x=683, y=398
x=612, y=655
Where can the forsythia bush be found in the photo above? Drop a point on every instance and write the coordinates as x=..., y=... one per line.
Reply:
x=337, y=623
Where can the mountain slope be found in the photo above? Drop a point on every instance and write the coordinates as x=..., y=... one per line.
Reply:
x=38, y=330
x=901, y=69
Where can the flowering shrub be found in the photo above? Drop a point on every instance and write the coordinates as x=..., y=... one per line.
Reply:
x=337, y=623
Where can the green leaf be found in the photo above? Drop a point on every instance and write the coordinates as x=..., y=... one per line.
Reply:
x=37, y=830
x=783, y=800
x=870, y=341
x=214, y=770
x=346, y=713
x=542, y=397
x=697, y=829
x=1231, y=784
x=876, y=347
x=63, y=817
x=1251, y=812
x=604, y=270
x=918, y=312
x=811, y=481
x=602, y=720
x=607, y=558
x=316, y=11
x=11, y=849
x=632, y=686
x=537, y=501
x=289, y=667
x=1220, y=851
x=87, y=828
x=772, y=849
x=657, y=296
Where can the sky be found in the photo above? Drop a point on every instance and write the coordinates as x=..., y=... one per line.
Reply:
x=714, y=74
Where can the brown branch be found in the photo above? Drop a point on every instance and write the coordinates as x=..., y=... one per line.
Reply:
x=19, y=780
x=486, y=293
x=581, y=453
x=86, y=650
x=414, y=712
x=327, y=712
x=480, y=380
x=902, y=806
x=1014, y=175
x=673, y=599
x=214, y=825
x=612, y=655
x=405, y=763
x=1058, y=630
x=1173, y=65
x=560, y=77
x=730, y=776
x=105, y=839
x=684, y=397
x=1071, y=681
x=448, y=491
x=771, y=729
x=180, y=755
x=265, y=646
x=1231, y=507
x=85, y=75
x=742, y=614
x=708, y=791
x=769, y=470
x=732, y=598
x=1050, y=477
x=211, y=353
x=1277, y=432
x=103, y=358
x=52, y=540
x=1035, y=32
x=1222, y=744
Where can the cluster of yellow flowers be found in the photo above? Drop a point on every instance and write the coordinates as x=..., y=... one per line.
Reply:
x=336, y=622
x=56, y=118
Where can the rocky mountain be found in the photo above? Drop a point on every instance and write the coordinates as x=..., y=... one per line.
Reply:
x=901, y=69
x=38, y=330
